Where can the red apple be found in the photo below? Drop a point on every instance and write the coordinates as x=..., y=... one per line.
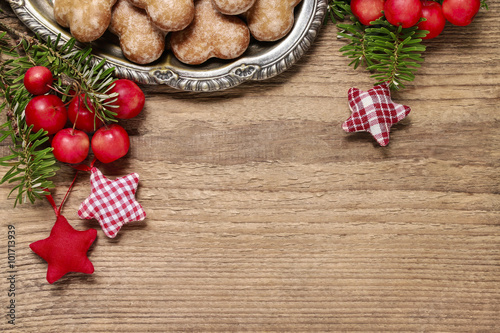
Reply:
x=367, y=10
x=83, y=117
x=130, y=100
x=47, y=112
x=403, y=12
x=70, y=145
x=435, y=20
x=38, y=80
x=460, y=12
x=109, y=143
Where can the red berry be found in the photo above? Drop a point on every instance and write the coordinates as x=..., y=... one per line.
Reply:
x=47, y=112
x=435, y=20
x=109, y=143
x=70, y=145
x=367, y=10
x=460, y=12
x=83, y=117
x=403, y=12
x=38, y=80
x=130, y=100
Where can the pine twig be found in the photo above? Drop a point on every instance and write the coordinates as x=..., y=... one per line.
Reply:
x=392, y=54
x=31, y=162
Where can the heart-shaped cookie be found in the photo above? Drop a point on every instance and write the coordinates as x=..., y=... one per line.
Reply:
x=211, y=34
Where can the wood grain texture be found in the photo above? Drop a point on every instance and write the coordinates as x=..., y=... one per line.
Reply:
x=263, y=215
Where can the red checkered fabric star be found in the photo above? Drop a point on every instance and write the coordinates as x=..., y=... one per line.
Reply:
x=112, y=202
x=373, y=111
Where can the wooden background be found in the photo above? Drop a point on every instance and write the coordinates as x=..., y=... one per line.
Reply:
x=263, y=215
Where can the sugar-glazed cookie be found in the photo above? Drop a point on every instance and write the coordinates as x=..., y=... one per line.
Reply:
x=270, y=20
x=168, y=15
x=211, y=34
x=232, y=7
x=86, y=19
x=141, y=41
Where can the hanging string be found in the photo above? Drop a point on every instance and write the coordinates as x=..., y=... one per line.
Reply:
x=52, y=202
x=84, y=167
x=67, y=193
x=79, y=167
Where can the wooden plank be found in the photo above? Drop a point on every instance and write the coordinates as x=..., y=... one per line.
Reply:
x=263, y=215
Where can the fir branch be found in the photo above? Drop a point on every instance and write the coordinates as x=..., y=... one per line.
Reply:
x=357, y=49
x=391, y=53
x=338, y=10
x=31, y=161
x=30, y=164
x=76, y=69
x=395, y=52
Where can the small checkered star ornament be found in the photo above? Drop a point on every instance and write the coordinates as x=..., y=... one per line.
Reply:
x=112, y=202
x=374, y=111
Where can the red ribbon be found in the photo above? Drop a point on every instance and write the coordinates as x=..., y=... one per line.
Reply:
x=79, y=167
x=52, y=202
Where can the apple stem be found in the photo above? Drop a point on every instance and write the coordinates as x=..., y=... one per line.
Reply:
x=74, y=125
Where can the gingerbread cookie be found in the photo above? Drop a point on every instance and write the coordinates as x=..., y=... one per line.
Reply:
x=168, y=15
x=270, y=20
x=211, y=34
x=87, y=20
x=232, y=7
x=141, y=41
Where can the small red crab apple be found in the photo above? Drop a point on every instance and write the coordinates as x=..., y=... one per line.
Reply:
x=367, y=10
x=403, y=12
x=435, y=20
x=38, y=80
x=83, y=118
x=47, y=112
x=70, y=145
x=460, y=12
x=110, y=142
x=130, y=100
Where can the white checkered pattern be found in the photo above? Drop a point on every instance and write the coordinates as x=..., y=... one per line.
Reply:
x=112, y=202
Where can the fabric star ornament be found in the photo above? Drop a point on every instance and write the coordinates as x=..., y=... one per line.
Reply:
x=373, y=111
x=65, y=250
x=112, y=202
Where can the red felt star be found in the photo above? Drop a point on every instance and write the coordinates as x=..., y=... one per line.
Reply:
x=373, y=111
x=112, y=202
x=65, y=250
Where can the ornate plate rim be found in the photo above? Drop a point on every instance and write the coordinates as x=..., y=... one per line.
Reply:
x=280, y=57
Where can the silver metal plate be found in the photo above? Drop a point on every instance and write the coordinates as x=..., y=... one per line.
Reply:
x=261, y=61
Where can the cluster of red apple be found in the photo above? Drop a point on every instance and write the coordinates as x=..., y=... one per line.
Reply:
x=72, y=144
x=407, y=13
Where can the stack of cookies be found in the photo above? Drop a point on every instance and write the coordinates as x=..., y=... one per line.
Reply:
x=199, y=29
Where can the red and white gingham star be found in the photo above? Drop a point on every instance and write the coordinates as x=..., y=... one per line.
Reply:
x=373, y=111
x=112, y=202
